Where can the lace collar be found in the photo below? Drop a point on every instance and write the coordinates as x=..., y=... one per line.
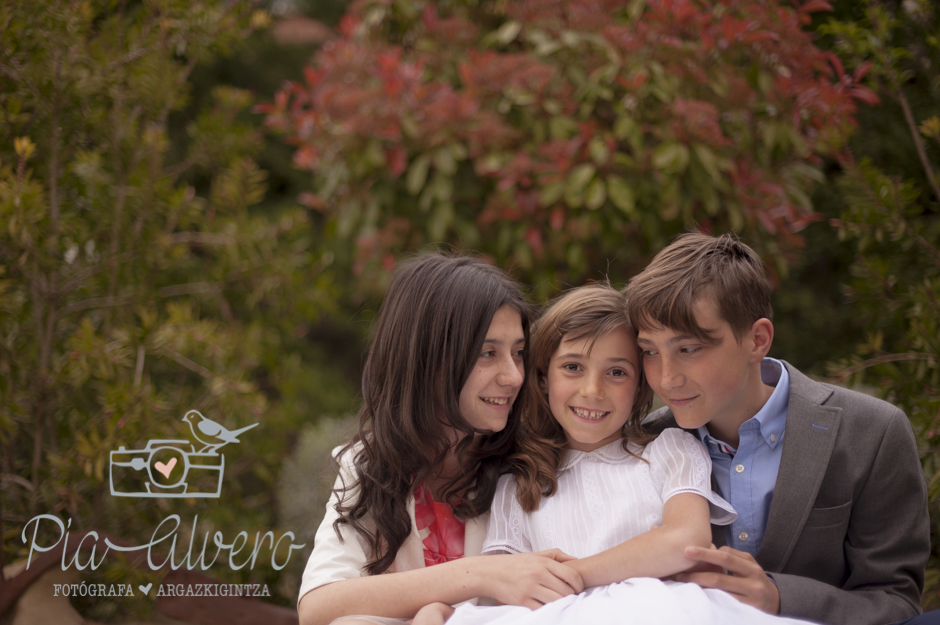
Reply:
x=611, y=453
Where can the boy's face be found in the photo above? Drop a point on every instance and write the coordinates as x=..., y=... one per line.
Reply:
x=707, y=383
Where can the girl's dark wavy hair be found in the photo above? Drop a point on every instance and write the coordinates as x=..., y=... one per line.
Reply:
x=586, y=312
x=426, y=341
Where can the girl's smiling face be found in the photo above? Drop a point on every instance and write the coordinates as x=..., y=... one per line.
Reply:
x=488, y=394
x=591, y=394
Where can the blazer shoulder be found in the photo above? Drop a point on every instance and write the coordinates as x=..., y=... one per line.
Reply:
x=854, y=403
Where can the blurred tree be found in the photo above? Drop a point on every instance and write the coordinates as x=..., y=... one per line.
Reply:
x=891, y=215
x=566, y=139
x=129, y=293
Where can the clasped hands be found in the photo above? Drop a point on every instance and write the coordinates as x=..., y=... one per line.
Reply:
x=735, y=572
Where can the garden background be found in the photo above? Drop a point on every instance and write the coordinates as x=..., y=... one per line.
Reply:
x=182, y=228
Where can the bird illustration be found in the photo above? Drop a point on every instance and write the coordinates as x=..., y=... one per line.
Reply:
x=210, y=433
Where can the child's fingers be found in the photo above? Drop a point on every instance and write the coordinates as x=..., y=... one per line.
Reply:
x=531, y=580
x=569, y=576
x=556, y=554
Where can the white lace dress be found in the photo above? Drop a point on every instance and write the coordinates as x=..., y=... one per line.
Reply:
x=604, y=498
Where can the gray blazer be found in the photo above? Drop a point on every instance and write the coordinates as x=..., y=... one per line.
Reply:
x=848, y=533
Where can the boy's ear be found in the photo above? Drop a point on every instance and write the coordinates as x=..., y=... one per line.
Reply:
x=762, y=334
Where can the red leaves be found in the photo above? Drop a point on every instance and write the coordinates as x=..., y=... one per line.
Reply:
x=349, y=24
x=696, y=120
x=812, y=6
x=861, y=71
x=864, y=94
x=397, y=159
x=306, y=158
x=736, y=86
x=533, y=237
x=312, y=76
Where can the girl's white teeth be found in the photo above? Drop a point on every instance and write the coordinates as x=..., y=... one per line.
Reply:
x=588, y=414
x=497, y=401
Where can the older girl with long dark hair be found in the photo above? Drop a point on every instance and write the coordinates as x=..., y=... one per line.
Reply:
x=437, y=422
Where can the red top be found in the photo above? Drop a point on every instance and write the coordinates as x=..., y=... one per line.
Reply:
x=445, y=542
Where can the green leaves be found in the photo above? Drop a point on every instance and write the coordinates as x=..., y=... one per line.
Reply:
x=595, y=194
x=417, y=174
x=140, y=275
x=621, y=195
x=625, y=123
x=671, y=157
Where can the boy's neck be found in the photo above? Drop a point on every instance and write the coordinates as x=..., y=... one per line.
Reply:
x=725, y=427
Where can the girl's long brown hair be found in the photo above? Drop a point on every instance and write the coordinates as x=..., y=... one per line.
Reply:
x=426, y=341
x=590, y=311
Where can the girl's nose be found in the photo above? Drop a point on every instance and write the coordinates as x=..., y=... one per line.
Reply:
x=593, y=386
x=511, y=372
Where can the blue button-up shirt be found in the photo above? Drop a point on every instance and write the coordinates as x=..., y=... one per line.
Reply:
x=746, y=475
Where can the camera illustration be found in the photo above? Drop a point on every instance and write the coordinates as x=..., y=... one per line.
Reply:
x=174, y=468
x=166, y=468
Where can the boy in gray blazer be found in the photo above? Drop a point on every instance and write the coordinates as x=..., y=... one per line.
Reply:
x=833, y=523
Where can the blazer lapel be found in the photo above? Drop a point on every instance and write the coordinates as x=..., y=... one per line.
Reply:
x=411, y=553
x=810, y=433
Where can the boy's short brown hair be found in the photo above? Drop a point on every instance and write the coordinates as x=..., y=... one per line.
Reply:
x=698, y=265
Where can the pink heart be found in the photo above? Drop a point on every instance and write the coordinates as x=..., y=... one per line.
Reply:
x=167, y=468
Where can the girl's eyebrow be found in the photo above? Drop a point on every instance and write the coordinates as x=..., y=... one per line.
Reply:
x=500, y=342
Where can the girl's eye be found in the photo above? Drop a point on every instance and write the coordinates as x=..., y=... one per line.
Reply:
x=619, y=373
x=570, y=366
x=488, y=354
x=519, y=354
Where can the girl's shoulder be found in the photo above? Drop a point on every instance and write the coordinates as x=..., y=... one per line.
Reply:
x=345, y=456
x=506, y=484
x=674, y=441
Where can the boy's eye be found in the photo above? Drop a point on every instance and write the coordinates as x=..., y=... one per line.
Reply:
x=689, y=350
x=646, y=353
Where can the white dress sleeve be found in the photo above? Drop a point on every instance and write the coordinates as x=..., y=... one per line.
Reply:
x=681, y=464
x=333, y=560
x=507, y=530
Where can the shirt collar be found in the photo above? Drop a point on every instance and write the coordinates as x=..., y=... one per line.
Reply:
x=771, y=418
x=611, y=453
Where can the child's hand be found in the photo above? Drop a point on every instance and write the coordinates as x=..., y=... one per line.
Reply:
x=528, y=579
x=433, y=614
x=556, y=554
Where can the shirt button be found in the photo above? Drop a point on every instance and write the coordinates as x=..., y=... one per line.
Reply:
x=773, y=437
x=743, y=535
x=739, y=468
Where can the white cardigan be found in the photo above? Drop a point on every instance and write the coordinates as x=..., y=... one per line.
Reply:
x=335, y=561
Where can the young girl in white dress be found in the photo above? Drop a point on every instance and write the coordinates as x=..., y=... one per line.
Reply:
x=588, y=480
